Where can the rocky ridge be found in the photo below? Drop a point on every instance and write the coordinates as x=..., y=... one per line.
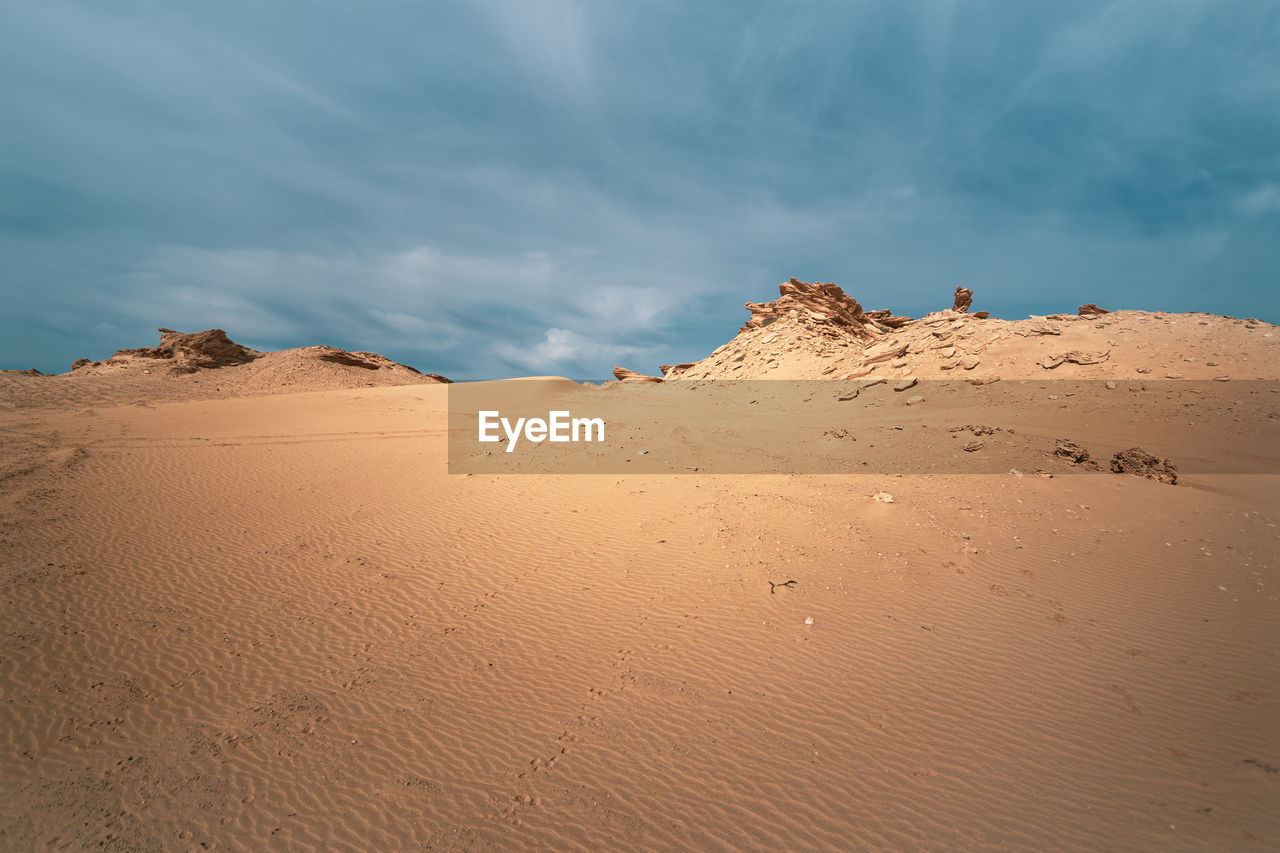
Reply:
x=817, y=331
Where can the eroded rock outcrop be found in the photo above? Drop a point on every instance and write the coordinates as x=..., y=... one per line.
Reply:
x=1139, y=462
x=823, y=305
x=188, y=353
x=1053, y=360
x=626, y=375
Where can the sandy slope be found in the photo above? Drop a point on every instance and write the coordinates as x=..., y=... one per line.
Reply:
x=276, y=622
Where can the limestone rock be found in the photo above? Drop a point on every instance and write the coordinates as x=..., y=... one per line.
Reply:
x=1053, y=360
x=884, y=352
x=631, y=376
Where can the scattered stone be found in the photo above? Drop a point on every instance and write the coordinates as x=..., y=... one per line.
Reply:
x=882, y=497
x=904, y=384
x=976, y=429
x=915, y=399
x=969, y=362
x=1111, y=386
x=972, y=446
x=1139, y=462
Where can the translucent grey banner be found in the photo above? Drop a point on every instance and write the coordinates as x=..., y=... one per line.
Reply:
x=1155, y=428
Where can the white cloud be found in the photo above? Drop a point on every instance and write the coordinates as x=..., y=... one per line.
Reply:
x=1261, y=200
x=565, y=351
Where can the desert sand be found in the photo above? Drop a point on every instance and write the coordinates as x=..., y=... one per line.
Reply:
x=246, y=606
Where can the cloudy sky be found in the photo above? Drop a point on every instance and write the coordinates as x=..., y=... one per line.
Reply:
x=504, y=187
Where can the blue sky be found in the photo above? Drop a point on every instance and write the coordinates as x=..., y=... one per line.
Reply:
x=505, y=187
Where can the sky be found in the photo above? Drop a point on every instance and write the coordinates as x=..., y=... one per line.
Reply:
x=513, y=187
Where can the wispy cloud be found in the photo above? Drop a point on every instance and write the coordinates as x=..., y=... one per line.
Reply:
x=556, y=185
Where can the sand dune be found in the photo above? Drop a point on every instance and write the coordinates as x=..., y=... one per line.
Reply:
x=246, y=614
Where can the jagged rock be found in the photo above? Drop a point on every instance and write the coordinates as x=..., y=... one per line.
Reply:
x=1072, y=452
x=631, y=376
x=825, y=304
x=964, y=298
x=191, y=352
x=668, y=369
x=1091, y=310
x=1139, y=462
x=885, y=317
x=980, y=315
x=976, y=429
x=80, y=362
x=1053, y=360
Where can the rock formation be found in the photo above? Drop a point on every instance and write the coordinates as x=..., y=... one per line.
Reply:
x=1137, y=461
x=191, y=352
x=1053, y=360
x=964, y=298
x=824, y=305
x=626, y=375
x=1091, y=310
